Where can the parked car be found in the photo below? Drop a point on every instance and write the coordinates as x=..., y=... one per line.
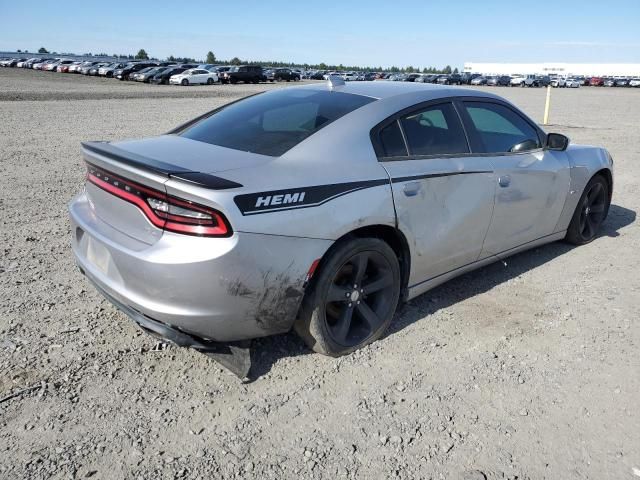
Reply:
x=145, y=75
x=492, y=80
x=75, y=68
x=537, y=81
x=244, y=246
x=25, y=63
x=132, y=67
x=285, y=74
x=194, y=76
x=63, y=66
x=621, y=82
x=467, y=77
x=412, y=77
x=94, y=70
x=609, y=82
x=573, y=82
x=481, y=80
x=452, y=79
x=558, y=82
x=32, y=61
x=135, y=75
x=634, y=82
x=596, y=82
x=517, y=81
x=162, y=78
x=42, y=63
x=11, y=62
x=244, y=73
x=51, y=66
x=107, y=70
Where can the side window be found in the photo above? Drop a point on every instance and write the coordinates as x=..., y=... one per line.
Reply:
x=501, y=130
x=436, y=130
x=392, y=142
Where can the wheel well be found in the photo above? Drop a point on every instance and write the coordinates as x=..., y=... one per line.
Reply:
x=606, y=173
x=396, y=240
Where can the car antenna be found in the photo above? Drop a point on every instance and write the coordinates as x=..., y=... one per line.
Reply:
x=335, y=81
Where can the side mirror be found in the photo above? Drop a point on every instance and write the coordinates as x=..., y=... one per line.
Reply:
x=557, y=141
x=525, y=146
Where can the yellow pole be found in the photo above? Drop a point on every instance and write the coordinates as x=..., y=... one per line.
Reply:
x=546, y=106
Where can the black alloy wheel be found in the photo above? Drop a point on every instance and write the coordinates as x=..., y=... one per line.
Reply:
x=359, y=298
x=590, y=212
x=351, y=300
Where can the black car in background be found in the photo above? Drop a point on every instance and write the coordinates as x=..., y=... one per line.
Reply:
x=503, y=81
x=452, y=79
x=162, y=78
x=467, y=77
x=244, y=73
x=129, y=68
x=537, y=81
x=285, y=74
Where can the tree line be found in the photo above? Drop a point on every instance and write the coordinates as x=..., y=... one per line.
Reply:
x=211, y=58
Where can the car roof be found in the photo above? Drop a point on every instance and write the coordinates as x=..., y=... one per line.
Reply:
x=384, y=90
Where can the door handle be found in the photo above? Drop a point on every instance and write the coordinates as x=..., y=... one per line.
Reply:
x=411, y=189
x=504, y=181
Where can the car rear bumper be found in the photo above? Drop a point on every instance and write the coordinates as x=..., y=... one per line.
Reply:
x=218, y=289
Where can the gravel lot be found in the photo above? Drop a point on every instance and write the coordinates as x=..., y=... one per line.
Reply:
x=529, y=370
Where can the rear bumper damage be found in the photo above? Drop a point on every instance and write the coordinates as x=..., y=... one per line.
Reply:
x=235, y=356
x=210, y=294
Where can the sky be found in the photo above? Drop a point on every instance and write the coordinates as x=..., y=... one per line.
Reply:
x=366, y=33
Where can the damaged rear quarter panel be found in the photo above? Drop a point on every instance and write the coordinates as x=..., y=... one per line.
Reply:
x=269, y=280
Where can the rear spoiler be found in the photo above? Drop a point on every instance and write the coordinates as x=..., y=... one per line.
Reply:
x=199, y=179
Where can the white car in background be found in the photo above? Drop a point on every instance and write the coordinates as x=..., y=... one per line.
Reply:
x=573, y=83
x=634, y=82
x=517, y=81
x=558, y=82
x=194, y=76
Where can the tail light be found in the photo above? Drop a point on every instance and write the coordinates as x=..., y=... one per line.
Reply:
x=164, y=211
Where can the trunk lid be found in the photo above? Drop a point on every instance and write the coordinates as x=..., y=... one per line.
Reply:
x=191, y=154
x=122, y=176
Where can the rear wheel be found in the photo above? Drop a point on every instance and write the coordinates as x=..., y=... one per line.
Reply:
x=590, y=212
x=351, y=301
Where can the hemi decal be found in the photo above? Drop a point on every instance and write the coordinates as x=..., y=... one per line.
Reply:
x=313, y=196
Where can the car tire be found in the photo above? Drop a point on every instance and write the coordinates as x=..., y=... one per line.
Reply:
x=334, y=325
x=590, y=212
x=184, y=82
x=209, y=81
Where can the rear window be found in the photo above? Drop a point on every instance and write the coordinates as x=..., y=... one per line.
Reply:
x=274, y=122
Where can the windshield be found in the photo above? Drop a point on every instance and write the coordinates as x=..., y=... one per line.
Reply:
x=274, y=122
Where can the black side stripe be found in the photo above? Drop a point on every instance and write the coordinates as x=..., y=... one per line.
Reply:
x=314, y=196
x=435, y=175
x=303, y=197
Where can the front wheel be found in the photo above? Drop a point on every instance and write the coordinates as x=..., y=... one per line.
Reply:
x=209, y=81
x=351, y=300
x=590, y=212
x=184, y=82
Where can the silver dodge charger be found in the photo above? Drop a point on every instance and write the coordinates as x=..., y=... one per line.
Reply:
x=321, y=208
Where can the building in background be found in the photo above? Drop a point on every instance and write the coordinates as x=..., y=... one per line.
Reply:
x=563, y=69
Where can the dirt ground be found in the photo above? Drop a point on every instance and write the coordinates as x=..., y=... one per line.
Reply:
x=524, y=371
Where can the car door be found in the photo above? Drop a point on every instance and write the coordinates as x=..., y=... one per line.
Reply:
x=196, y=76
x=531, y=182
x=443, y=194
